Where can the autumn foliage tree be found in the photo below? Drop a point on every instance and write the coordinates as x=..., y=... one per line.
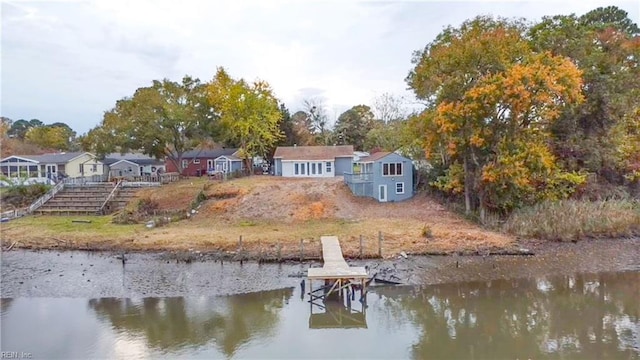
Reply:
x=164, y=120
x=605, y=45
x=249, y=114
x=491, y=101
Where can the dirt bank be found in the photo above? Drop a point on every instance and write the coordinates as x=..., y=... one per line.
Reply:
x=272, y=215
x=28, y=273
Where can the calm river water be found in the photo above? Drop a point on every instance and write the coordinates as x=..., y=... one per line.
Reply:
x=595, y=316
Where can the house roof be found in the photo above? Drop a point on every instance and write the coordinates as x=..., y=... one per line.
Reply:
x=374, y=157
x=210, y=154
x=123, y=161
x=136, y=158
x=313, y=152
x=20, y=157
x=231, y=157
x=53, y=158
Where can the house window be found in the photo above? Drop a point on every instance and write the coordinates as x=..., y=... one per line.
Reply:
x=185, y=164
x=319, y=168
x=196, y=161
x=392, y=169
x=329, y=166
x=313, y=168
x=94, y=167
x=303, y=167
x=81, y=168
x=296, y=170
x=400, y=188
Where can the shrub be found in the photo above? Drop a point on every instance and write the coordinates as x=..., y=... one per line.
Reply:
x=427, y=232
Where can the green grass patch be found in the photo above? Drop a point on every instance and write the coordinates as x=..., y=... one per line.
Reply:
x=576, y=219
x=98, y=225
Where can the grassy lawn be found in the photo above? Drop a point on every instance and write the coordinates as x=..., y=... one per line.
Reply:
x=52, y=231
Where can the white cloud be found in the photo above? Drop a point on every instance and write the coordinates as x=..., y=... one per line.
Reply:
x=71, y=61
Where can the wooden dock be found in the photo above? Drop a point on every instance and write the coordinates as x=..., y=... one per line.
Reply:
x=336, y=275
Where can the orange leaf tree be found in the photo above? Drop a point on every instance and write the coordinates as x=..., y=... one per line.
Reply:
x=490, y=102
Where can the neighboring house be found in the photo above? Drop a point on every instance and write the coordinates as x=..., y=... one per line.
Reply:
x=313, y=161
x=52, y=166
x=199, y=162
x=132, y=165
x=384, y=176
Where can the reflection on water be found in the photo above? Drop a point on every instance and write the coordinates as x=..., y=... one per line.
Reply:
x=169, y=324
x=587, y=316
x=336, y=315
x=583, y=316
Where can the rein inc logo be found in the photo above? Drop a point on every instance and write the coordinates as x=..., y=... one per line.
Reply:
x=15, y=355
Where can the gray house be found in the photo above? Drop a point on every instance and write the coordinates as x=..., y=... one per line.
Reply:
x=132, y=165
x=312, y=161
x=384, y=176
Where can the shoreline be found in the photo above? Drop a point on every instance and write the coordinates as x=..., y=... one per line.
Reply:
x=71, y=273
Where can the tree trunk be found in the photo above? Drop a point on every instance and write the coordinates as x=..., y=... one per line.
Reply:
x=483, y=209
x=467, y=187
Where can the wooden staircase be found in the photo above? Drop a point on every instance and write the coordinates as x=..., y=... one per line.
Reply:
x=86, y=200
x=122, y=198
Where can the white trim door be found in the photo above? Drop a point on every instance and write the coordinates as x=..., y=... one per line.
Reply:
x=382, y=193
x=52, y=171
x=209, y=164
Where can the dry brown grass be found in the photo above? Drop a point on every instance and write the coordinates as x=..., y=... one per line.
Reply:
x=273, y=212
x=576, y=220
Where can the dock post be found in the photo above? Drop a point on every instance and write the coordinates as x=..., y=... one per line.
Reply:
x=301, y=249
x=279, y=251
x=380, y=244
x=360, y=246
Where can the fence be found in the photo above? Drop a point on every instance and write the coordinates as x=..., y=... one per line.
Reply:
x=12, y=214
x=360, y=184
x=85, y=180
x=307, y=249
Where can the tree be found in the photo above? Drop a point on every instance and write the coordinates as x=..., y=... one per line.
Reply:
x=303, y=129
x=316, y=111
x=166, y=119
x=605, y=45
x=287, y=128
x=490, y=103
x=387, y=137
x=389, y=108
x=353, y=125
x=20, y=127
x=249, y=114
x=49, y=137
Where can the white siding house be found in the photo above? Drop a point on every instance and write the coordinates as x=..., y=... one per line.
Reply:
x=312, y=161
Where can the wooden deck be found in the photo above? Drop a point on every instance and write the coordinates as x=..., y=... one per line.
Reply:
x=334, y=265
x=336, y=274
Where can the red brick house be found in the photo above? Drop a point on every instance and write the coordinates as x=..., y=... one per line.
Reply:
x=197, y=162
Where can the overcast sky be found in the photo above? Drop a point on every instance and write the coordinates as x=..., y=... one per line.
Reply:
x=70, y=61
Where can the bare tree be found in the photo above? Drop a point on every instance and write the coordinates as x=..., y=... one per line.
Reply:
x=317, y=111
x=389, y=108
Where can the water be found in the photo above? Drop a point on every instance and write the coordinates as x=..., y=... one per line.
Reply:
x=587, y=316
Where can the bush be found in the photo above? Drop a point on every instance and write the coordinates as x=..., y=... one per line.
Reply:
x=22, y=195
x=576, y=219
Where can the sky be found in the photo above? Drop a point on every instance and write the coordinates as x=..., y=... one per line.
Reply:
x=70, y=61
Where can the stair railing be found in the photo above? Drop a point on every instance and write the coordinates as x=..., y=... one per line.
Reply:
x=46, y=197
x=111, y=195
